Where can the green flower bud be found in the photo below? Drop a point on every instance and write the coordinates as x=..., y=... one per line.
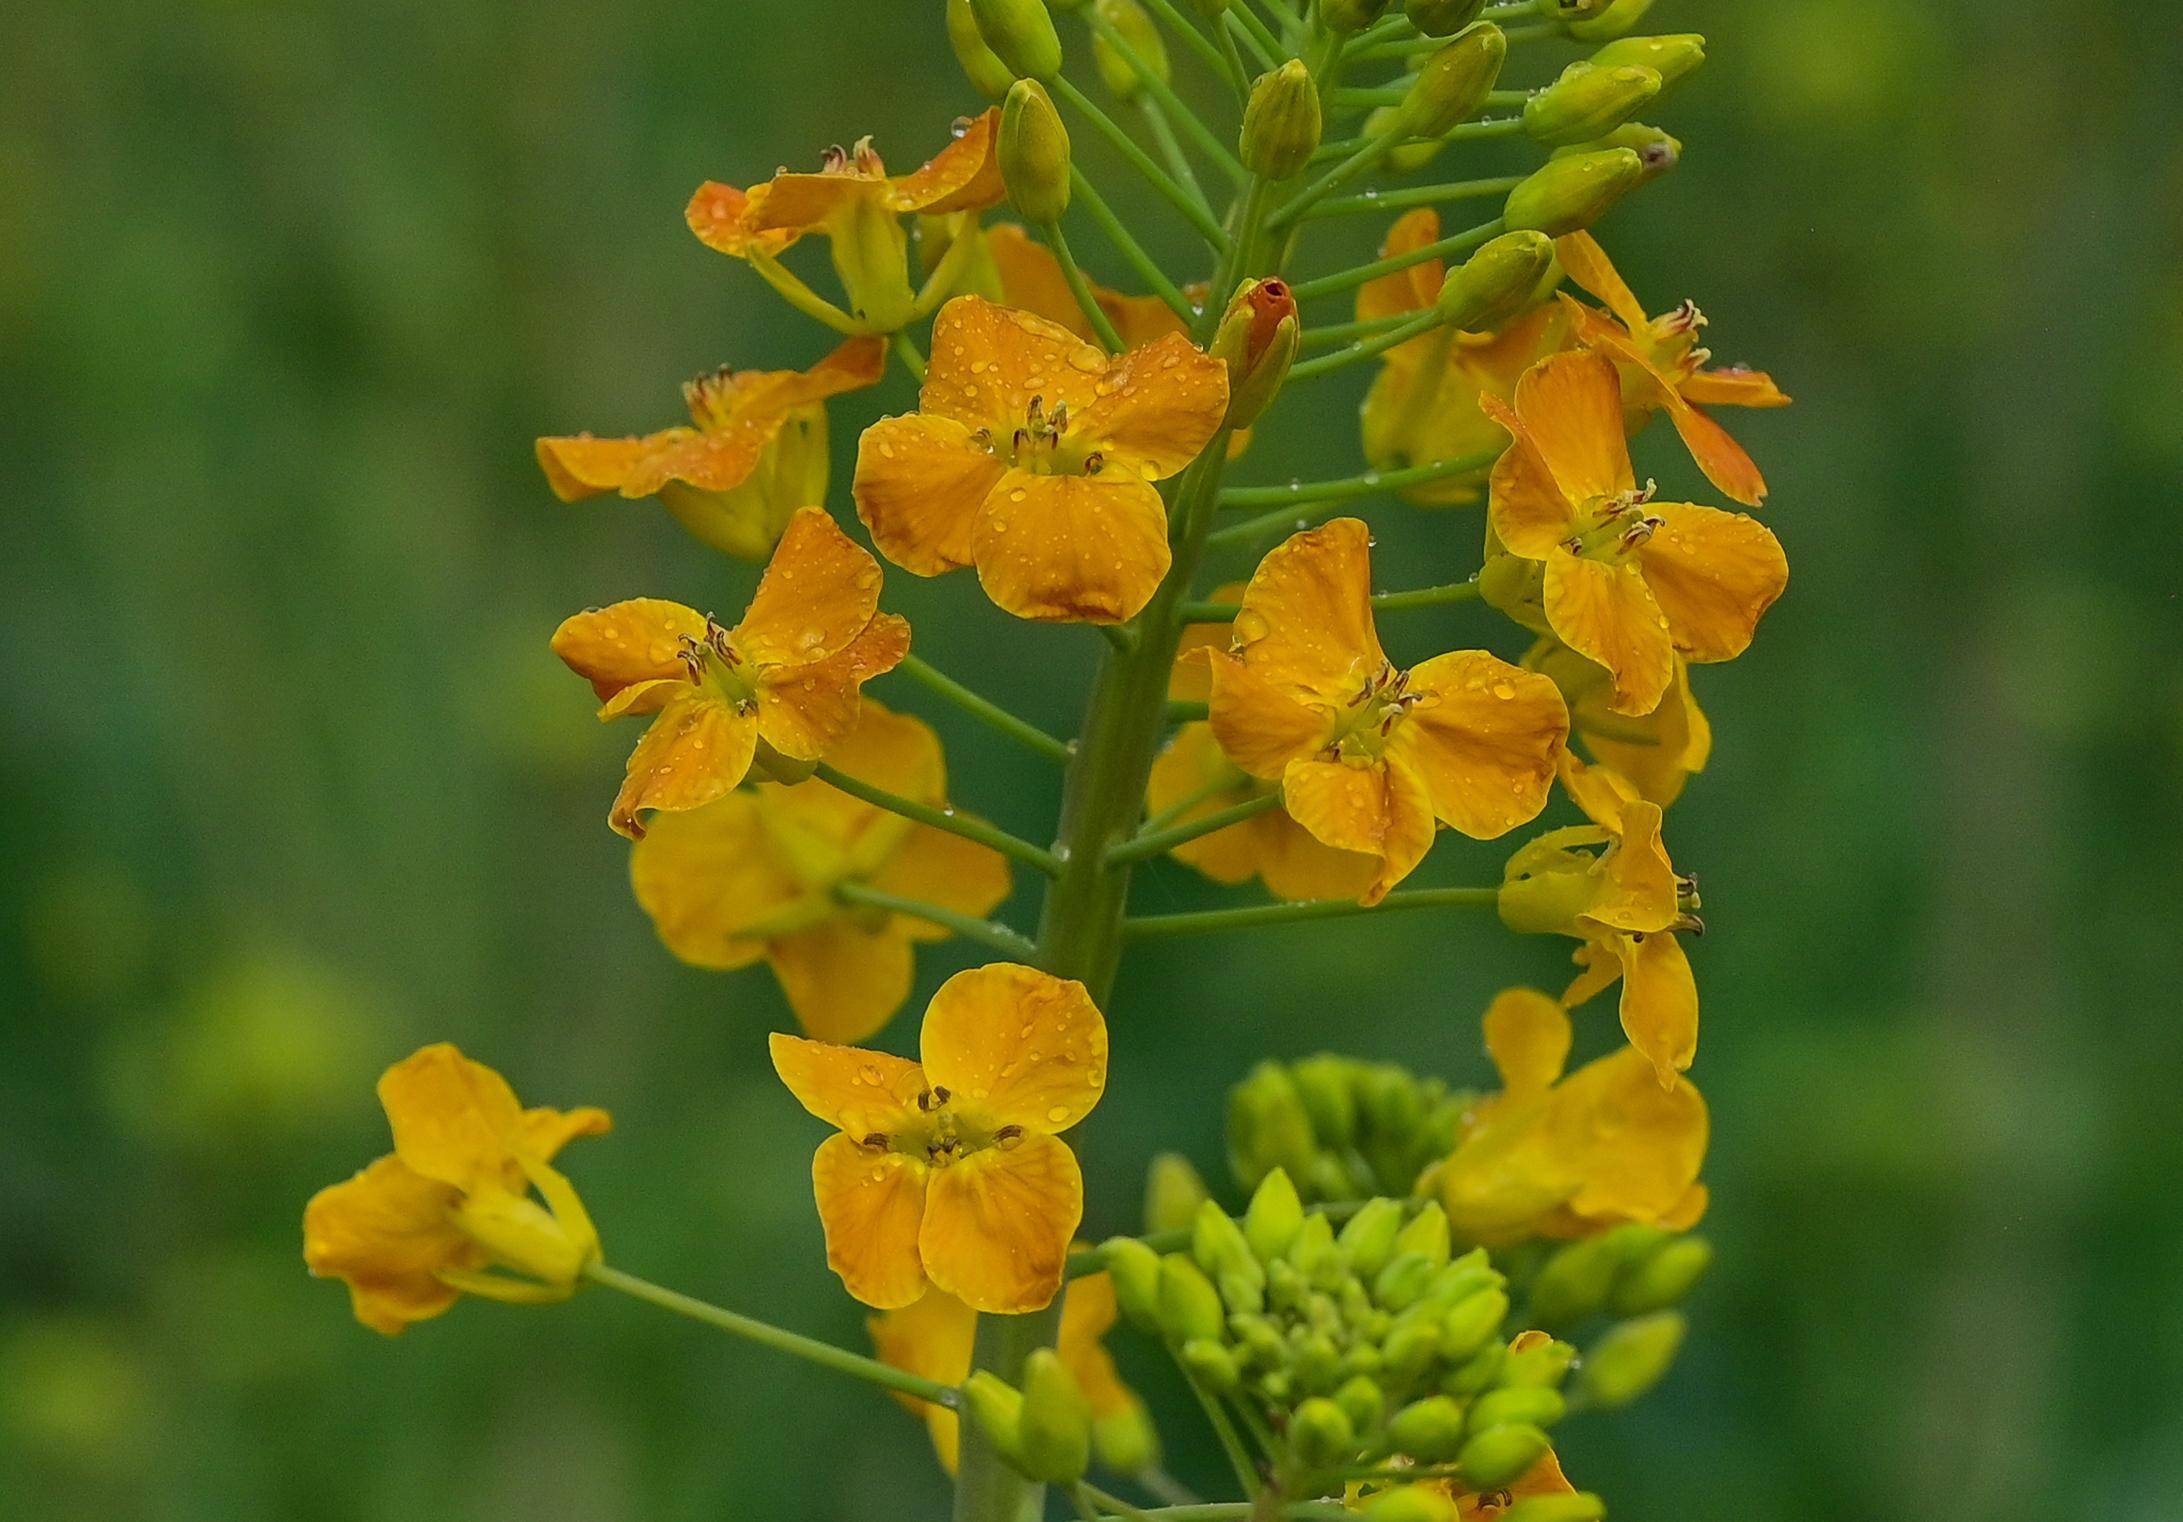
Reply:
x=1134, y=1269
x=1574, y=1283
x=1034, y=154
x=1476, y=1373
x=1409, y=1503
x=1581, y=1507
x=1671, y=57
x=1472, y=1324
x=1267, y=1127
x=1663, y=1279
x=1243, y=1294
x=1429, y=1430
x=1630, y=1359
x=1326, y=1086
x=1588, y=101
x=1442, y=18
x=1614, y=20
x=1173, y=1192
x=1218, y=1244
x=1567, y=195
x=1286, y=1285
x=1054, y=1431
x=1274, y=1216
x=1527, y=1404
x=1500, y=1455
x=1258, y=1339
x=1021, y=34
x=1496, y=282
x=1409, y=1351
x=1315, y=1254
x=1454, y=81
x=997, y=1408
x=1362, y=1401
x=1211, y=1365
x=1281, y=122
x=1321, y=1433
x=1342, y=17
x=1136, y=29
x=1317, y=1363
x=1369, y=1237
x=1126, y=1440
x=1403, y=1280
x=987, y=74
x=1463, y=1278
x=1404, y=158
x=1427, y=1232
x=1543, y=1363
x=1257, y=340
x=1328, y=1179
x=1655, y=149
x=1564, y=12
x=1363, y=1360
x=1391, y=1102
x=1189, y=1305
x=1278, y=1387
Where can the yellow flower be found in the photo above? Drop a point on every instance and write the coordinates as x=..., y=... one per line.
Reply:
x=1665, y=368
x=1030, y=279
x=1657, y=752
x=1626, y=582
x=1423, y=406
x=1032, y=457
x=1611, y=886
x=933, y=1337
x=788, y=675
x=1369, y=756
x=859, y=208
x=1560, y=1156
x=757, y=875
x=757, y=451
x=423, y=1225
x=950, y=1172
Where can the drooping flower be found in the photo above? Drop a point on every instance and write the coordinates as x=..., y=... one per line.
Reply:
x=1423, y=406
x=453, y=1202
x=1657, y=752
x=1565, y=1156
x=1032, y=456
x=950, y=1172
x=756, y=451
x=759, y=875
x=1369, y=756
x=1664, y=367
x=1611, y=885
x=858, y=207
x=787, y=677
x=1625, y=581
x=933, y=1336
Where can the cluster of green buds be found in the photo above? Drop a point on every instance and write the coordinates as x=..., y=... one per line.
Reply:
x=1635, y=1276
x=1340, y=1127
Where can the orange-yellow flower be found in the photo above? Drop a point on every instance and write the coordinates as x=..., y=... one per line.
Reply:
x=1030, y=279
x=1369, y=756
x=759, y=875
x=788, y=676
x=950, y=1172
x=1611, y=885
x=933, y=1336
x=428, y=1222
x=1657, y=752
x=1624, y=581
x=1558, y=1156
x=756, y=452
x=1664, y=367
x=859, y=207
x=1423, y=406
x=1032, y=457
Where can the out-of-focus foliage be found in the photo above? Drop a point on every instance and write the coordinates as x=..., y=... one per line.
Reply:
x=292, y=783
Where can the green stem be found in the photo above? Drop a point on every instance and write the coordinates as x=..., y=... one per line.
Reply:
x=1153, y=842
x=1125, y=243
x=1193, y=213
x=984, y=709
x=1189, y=801
x=1374, y=150
x=1424, y=195
x=1080, y=288
x=1294, y=519
x=1239, y=73
x=1253, y=34
x=1171, y=149
x=965, y=825
x=1370, y=348
x=1187, y=30
x=1368, y=484
x=1198, y=922
x=1184, y=710
x=764, y=1333
x=1332, y=335
x=800, y=296
x=1421, y=597
x=906, y=350
x=1343, y=280
x=1161, y=101
x=1010, y=943
x=1231, y=1441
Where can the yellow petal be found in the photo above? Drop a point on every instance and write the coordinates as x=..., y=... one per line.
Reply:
x=581, y=466
x=1408, y=290
x=1293, y=865
x=1572, y=405
x=697, y=750
x=1381, y=809
x=1528, y=511
x=1259, y=725
x=843, y=981
x=1733, y=387
x=1588, y=267
x=454, y=1120
x=1659, y=1001
x=1714, y=575
x=544, y=1131
x=720, y=215
x=1191, y=762
x=1641, y=892
x=857, y=1092
x=1071, y=549
x=932, y=1337
x=943, y=869
x=1306, y=619
x=1528, y=1036
x=1606, y=613
x=819, y=592
x=387, y=1231
x=709, y=879
x=998, y=1224
x=1484, y=735
x=1189, y=681
x=642, y=640
x=1158, y=406
x=871, y=1203
x=963, y=176
x=988, y=362
x=920, y=482
x=800, y=203
x=1017, y=1046
x=804, y=711
x=1643, y=1145
x=1658, y=751
x=1726, y=463
x=1603, y=794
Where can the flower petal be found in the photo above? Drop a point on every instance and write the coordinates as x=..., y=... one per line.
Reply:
x=1659, y=1001
x=1726, y=463
x=871, y=1204
x=641, y=640
x=919, y=484
x=1527, y=509
x=1572, y=405
x=1071, y=549
x=454, y=1120
x=989, y=361
x=1714, y=575
x=720, y=216
x=947, y=871
x=1484, y=735
x=1528, y=1036
x=1588, y=267
x=843, y=981
x=998, y=1224
x=857, y=1092
x=1733, y=387
x=708, y=877
x=1643, y=1144
x=1191, y=763
x=1606, y=613
x=580, y=466
x=1294, y=865
x=1018, y=1046
x=963, y=176
x=801, y=203
x=387, y=1231
x=1306, y=619
x=1640, y=890
x=1158, y=406
x=818, y=593
x=1409, y=290
x=545, y=1131
x=1259, y=725
x=697, y=750
x=803, y=711
x=1382, y=809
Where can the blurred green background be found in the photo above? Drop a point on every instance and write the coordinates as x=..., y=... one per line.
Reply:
x=293, y=785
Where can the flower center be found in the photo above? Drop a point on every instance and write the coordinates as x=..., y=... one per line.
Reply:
x=1674, y=338
x=714, y=664
x=1362, y=730
x=940, y=1133
x=1613, y=528
x=1042, y=444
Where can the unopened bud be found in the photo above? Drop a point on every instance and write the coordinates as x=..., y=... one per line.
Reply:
x=1173, y=1193
x=1574, y=1283
x=1217, y=1243
x=1341, y=17
x=1496, y=280
x=1589, y=100
x=1500, y=1455
x=1537, y=1359
x=1126, y=1441
x=1257, y=341
x=1189, y=1305
x=1655, y=149
x=1476, y=1373
x=1267, y=1126
x=997, y=1408
x=1672, y=57
x=1134, y=1270
x=1630, y=1359
x=1410, y=1503
x=1616, y=19
x=1393, y=1106
x=1281, y=122
x=1317, y=1363
x=1429, y=1430
x=987, y=74
x=1568, y=195
x=1315, y=1254
x=1530, y=1405
x=1427, y=1233
x=1054, y=1427
x=1321, y=1434
x=1369, y=1237
x=1324, y=1084
x=1403, y=1281
x=1454, y=81
x=1211, y=1365
x=1034, y=154
x=1274, y=1216
x=1362, y=1401
x=1442, y=18
x=1138, y=33
x=1664, y=1279
x=1472, y=1324
x=1021, y=34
